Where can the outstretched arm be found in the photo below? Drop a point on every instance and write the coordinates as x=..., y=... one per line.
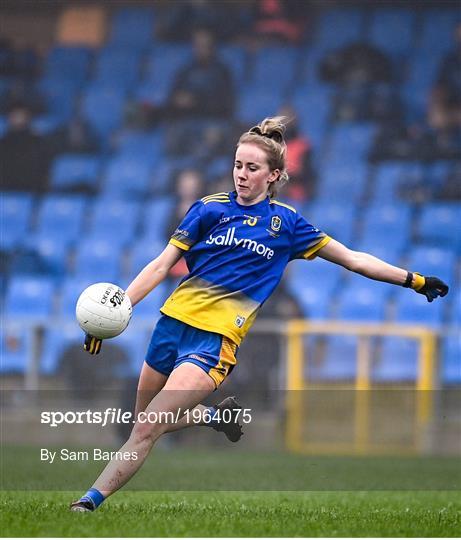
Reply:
x=371, y=267
x=149, y=277
x=153, y=274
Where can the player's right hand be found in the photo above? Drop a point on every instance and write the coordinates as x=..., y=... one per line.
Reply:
x=92, y=344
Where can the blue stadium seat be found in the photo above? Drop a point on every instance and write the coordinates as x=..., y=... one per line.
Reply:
x=46, y=123
x=314, y=272
x=421, y=76
x=98, y=261
x=3, y=120
x=75, y=170
x=438, y=29
x=339, y=27
x=157, y=214
x=433, y=261
x=139, y=144
x=55, y=341
x=339, y=361
x=70, y=290
x=52, y=254
x=389, y=251
x=68, y=63
x=455, y=312
x=335, y=218
x=398, y=362
x=114, y=220
x=387, y=225
x=14, y=218
x=391, y=175
x=144, y=250
x=439, y=224
x=162, y=66
x=362, y=303
x=451, y=359
x=342, y=182
x=61, y=216
x=127, y=176
x=118, y=67
x=29, y=296
x=134, y=341
x=266, y=61
x=148, y=308
x=312, y=105
x=16, y=346
x=313, y=302
x=59, y=96
x=413, y=308
x=351, y=140
x=382, y=291
x=235, y=58
x=132, y=27
x=255, y=103
x=102, y=107
x=312, y=284
x=398, y=23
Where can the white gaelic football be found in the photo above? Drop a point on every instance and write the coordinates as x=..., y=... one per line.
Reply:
x=103, y=310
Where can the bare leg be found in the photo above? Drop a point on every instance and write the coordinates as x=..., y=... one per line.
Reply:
x=150, y=384
x=184, y=389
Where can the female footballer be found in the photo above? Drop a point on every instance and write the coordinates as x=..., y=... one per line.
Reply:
x=236, y=246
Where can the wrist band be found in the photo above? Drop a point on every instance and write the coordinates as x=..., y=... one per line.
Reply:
x=409, y=280
x=419, y=281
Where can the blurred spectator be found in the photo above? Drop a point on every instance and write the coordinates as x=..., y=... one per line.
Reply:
x=445, y=103
x=188, y=189
x=280, y=20
x=444, y=111
x=299, y=160
x=75, y=137
x=200, y=105
x=204, y=88
x=24, y=159
x=450, y=189
x=177, y=21
x=356, y=63
x=364, y=75
x=19, y=65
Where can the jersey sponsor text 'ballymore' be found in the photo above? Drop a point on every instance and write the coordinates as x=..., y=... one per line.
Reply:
x=229, y=239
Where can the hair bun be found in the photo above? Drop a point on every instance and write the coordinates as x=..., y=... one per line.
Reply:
x=276, y=134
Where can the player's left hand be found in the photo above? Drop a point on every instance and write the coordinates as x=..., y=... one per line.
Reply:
x=92, y=344
x=432, y=288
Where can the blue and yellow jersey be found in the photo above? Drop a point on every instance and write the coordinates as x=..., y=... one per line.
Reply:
x=236, y=256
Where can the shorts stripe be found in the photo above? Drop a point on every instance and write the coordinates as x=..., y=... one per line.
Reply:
x=226, y=363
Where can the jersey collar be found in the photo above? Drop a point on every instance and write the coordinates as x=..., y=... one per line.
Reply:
x=258, y=206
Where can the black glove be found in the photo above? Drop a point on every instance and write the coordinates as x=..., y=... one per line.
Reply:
x=431, y=287
x=92, y=344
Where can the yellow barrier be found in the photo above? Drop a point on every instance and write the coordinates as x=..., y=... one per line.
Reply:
x=298, y=385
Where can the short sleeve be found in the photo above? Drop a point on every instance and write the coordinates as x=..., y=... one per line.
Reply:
x=307, y=240
x=188, y=231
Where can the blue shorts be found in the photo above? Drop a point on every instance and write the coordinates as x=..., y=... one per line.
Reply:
x=174, y=342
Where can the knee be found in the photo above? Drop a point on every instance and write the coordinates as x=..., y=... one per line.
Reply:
x=147, y=433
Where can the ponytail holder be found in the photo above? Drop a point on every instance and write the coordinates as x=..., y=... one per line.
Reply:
x=275, y=135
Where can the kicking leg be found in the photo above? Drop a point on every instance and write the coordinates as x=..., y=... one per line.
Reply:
x=184, y=389
x=152, y=381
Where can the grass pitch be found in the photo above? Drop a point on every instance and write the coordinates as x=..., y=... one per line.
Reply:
x=408, y=497
x=402, y=514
